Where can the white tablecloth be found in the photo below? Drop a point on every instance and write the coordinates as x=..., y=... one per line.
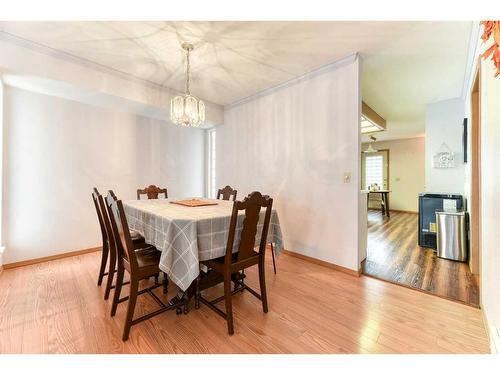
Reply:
x=186, y=235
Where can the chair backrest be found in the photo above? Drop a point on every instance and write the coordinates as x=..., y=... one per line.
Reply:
x=119, y=226
x=252, y=205
x=152, y=192
x=226, y=193
x=101, y=215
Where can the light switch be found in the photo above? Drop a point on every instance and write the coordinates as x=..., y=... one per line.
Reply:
x=347, y=177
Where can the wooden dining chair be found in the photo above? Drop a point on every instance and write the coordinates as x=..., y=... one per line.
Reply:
x=152, y=192
x=108, y=245
x=137, y=240
x=231, y=264
x=226, y=193
x=140, y=264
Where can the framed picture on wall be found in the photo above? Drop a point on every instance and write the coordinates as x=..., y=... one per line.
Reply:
x=464, y=139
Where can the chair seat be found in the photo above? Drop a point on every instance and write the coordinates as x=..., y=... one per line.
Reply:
x=148, y=257
x=135, y=235
x=217, y=263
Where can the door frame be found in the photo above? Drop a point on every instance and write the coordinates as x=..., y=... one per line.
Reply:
x=475, y=171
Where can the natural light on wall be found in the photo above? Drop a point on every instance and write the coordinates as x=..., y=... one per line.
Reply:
x=211, y=163
x=2, y=248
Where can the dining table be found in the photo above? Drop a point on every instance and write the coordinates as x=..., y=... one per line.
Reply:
x=187, y=235
x=384, y=194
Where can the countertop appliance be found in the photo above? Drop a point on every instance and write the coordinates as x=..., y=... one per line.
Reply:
x=451, y=235
x=428, y=203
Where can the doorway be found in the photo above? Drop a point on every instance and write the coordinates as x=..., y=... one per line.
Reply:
x=393, y=252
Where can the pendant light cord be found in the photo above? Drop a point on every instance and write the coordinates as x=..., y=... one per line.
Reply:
x=188, y=67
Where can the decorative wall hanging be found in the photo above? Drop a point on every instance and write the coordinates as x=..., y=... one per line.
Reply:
x=492, y=28
x=445, y=158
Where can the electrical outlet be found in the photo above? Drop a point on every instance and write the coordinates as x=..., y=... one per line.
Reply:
x=347, y=177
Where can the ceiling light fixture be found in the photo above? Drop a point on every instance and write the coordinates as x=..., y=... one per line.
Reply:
x=187, y=110
x=371, y=121
x=370, y=149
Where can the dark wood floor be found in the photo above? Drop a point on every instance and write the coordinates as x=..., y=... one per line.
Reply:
x=394, y=255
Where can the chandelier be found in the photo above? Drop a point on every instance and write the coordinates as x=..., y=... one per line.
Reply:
x=187, y=110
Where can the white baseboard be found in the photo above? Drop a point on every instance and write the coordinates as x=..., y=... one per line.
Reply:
x=494, y=334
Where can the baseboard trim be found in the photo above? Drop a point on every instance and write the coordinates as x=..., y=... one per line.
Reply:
x=323, y=263
x=405, y=211
x=391, y=210
x=51, y=257
x=488, y=330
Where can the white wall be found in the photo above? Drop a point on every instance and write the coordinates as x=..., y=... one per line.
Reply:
x=406, y=171
x=56, y=150
x=490, y=198
x=294, y=143
x=444, y=124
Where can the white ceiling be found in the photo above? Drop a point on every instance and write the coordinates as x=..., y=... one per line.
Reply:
x=405, y=64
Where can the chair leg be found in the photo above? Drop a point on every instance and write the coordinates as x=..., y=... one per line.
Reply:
x=118, y=289
x=104, y=260
x=274, y=262
x=262, y=282
x=134, y=288
x=157, y=279
x=229, y=305
x=165, y=283
x=197, y=294
x=382, y=205
x=111, y=274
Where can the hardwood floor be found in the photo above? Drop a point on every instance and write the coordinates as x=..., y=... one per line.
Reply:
x=394, y=255
x=56, y=307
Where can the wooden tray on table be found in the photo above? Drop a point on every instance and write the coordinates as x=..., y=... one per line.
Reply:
x=194, y=203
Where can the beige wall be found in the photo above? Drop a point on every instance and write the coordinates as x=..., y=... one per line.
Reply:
x=443, y=124
x=406, y=171
x=490, y=200
x=490, y=185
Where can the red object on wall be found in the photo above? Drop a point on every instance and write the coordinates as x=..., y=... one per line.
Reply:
x=492, y=28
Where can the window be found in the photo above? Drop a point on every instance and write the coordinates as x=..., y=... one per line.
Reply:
x=374, y=173
x=211, y=137
x=375, y=169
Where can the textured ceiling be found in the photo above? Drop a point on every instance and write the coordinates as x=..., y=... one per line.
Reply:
x=405, y=64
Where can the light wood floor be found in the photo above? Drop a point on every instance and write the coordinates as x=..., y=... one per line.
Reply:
x=394, y=255
x=56, y=307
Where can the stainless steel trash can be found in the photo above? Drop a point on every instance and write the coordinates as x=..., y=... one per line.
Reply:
x=451, y=235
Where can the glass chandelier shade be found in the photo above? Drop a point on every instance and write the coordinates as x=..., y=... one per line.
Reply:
x=186, y=109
